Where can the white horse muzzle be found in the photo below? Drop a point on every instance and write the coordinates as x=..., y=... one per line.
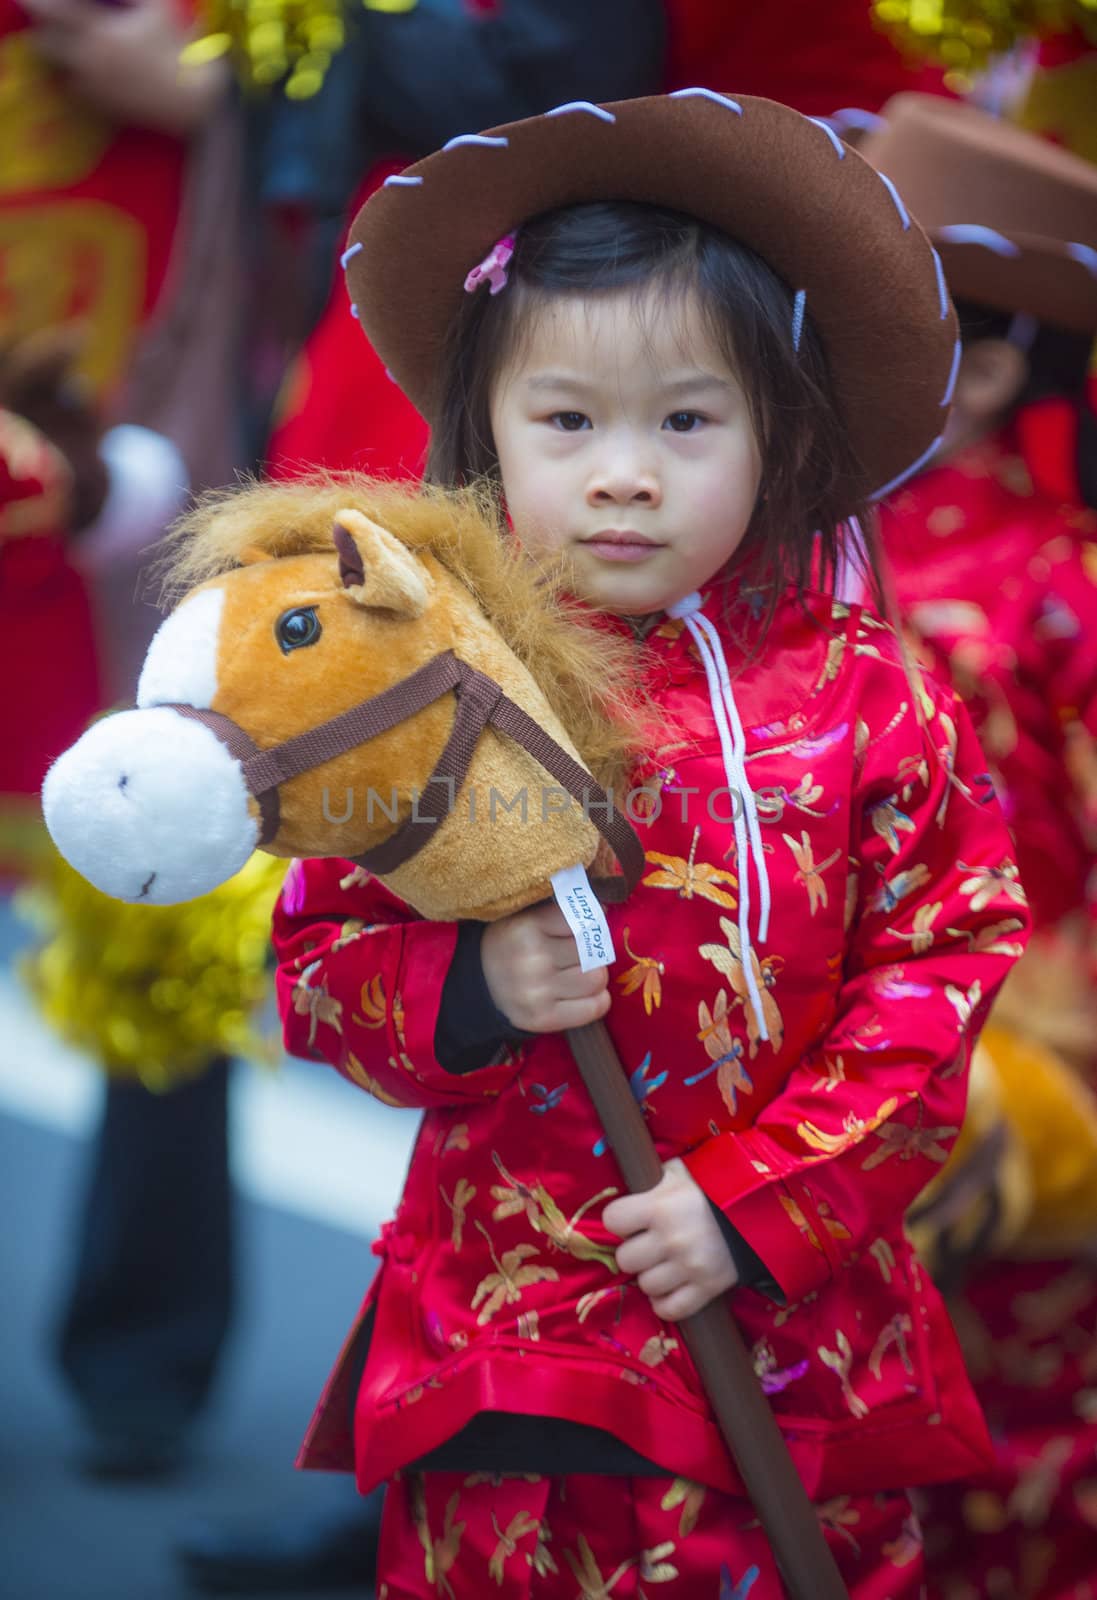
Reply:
x=150, y=807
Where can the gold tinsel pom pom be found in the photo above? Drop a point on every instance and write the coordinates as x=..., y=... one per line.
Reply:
x=964, y=35
x=154, y=991
x=271, y=40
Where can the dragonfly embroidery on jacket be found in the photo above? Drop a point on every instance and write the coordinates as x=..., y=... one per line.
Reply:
x=726, y=1053
x=521, y=1525
x=730, y=1589
x=691, y=1497
x=840, y=1516
x=439, y=1555
x=808, y=871
x=729, y=962
x=645, y=974
x=989, y=941
x=372, y=1001
x=463, y=1195
x=357, y=1073
x=545, y=1217
x=774, y=1379
x=316, y=1004
x=840, y=1361
x=921, y=936
x=836, y=1229
x=803, y=798
x=964, y=1002
x=897, y=1139
x=854, y=1130
x=641, y=1087
x=892, y=890
x=691, y=877
x=546, y=1099
x=588, y=1574
x=896, y=1332
x=987, y=883
x=889, y=822
x=513, y=1273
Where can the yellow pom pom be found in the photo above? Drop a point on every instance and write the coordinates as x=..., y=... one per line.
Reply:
x=271, y=40
x=1053, y=1117
x=964, y=35
x=153, y=992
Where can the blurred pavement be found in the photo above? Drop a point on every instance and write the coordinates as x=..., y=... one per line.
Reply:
x=318, y=1166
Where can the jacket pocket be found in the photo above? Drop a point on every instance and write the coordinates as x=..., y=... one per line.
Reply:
x=853, y=1357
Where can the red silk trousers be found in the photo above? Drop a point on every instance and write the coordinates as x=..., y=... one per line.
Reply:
x=464, y=1537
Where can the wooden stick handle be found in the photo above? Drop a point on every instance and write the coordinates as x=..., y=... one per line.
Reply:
x=713, y=1340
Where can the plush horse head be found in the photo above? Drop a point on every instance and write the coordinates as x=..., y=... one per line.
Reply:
x=358, y=670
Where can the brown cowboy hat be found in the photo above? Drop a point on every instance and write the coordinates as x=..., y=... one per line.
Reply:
x=777, y=181
x=1013, y=216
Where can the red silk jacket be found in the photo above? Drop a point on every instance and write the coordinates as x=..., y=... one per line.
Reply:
x=896, y=913
x=1002, y=584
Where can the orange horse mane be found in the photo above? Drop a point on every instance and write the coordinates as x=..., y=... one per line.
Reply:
x=588, y=674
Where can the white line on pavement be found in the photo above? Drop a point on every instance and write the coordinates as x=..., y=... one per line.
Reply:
x=301, y=1138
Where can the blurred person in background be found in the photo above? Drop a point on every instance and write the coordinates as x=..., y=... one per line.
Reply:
x=992, y=553
x=118, y=255
x=52, y=483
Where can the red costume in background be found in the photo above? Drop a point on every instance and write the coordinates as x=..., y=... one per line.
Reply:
x=816, y=58
x=88, y=215
x=1003, y=585
x=88, y=211
x=45, y=625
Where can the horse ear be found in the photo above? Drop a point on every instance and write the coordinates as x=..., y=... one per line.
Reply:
x=376, y=569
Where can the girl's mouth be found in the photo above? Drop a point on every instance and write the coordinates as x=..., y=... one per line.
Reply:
x=615, y=545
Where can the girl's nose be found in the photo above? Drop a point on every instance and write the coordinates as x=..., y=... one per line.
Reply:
x=624, y=479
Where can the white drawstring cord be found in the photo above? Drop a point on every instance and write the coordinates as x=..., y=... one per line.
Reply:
x=744, y=807
x=749, y=805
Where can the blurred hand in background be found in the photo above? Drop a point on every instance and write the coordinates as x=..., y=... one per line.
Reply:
x=123, y=57
x=38, y=383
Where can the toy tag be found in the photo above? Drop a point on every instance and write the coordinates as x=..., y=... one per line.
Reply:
x=584, y=916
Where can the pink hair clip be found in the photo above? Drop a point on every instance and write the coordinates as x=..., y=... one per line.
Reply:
x=493, y=268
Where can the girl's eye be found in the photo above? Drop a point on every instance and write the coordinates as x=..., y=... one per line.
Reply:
x=683, y=421
x=297, y=628
x=570, y=421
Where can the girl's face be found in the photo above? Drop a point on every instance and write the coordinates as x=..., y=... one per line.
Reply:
x=625, y=442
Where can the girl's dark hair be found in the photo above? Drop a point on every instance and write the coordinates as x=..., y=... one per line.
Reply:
x=811, y=481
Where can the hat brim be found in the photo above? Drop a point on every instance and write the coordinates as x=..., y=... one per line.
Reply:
x=780, y=183
x=1042, y=278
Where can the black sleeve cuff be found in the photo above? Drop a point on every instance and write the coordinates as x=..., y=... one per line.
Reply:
x=471, y=1030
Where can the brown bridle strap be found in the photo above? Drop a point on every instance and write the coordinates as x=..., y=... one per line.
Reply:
x=264, y=770
x=480, y=703
x=617, y=831
x=242, y=748
x=477, y=695
x=380, y=713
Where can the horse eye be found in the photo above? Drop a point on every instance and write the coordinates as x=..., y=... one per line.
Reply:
x=297, y=628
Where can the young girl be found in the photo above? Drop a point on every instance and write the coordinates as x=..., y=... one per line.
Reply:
x=688, y=337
